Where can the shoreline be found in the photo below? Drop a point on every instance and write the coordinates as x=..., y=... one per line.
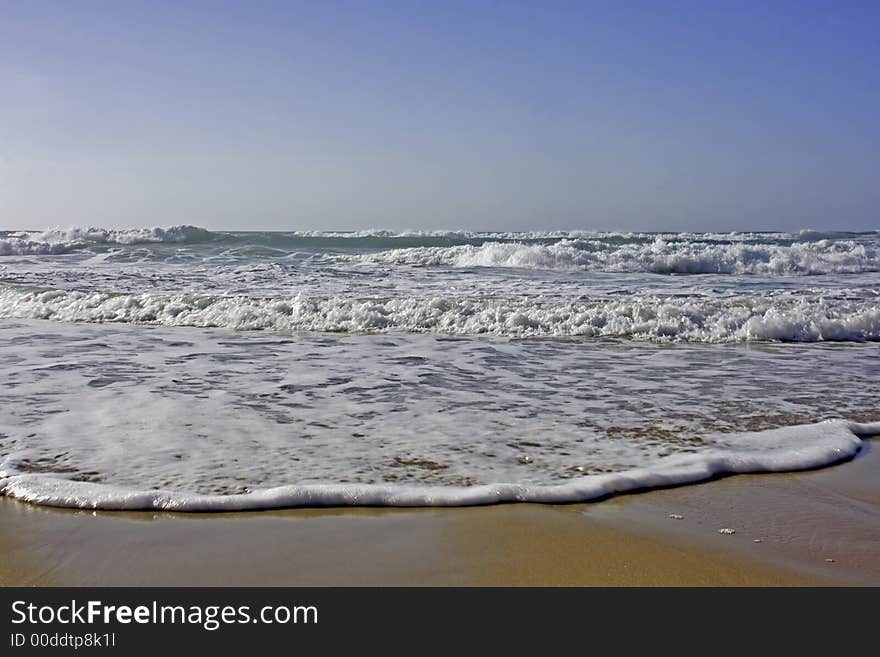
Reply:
x=801, y=519
x=811, y=446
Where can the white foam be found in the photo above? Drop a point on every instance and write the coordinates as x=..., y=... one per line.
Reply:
x=543, y=235
x=795, y=318
x=123, y=414
x=662, y=255
x=26, y=246
x=790, y=449
x=63, y=240
x=806, y=252
x=396, y=412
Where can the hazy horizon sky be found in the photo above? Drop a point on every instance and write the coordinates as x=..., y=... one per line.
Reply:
x=464, y=115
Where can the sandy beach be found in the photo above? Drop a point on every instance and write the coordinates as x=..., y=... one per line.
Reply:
x=811, y=528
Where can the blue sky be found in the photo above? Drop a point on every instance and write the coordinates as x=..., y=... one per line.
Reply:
x=408, y=115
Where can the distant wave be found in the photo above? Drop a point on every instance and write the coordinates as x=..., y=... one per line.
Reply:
x=774, y=450
x=58, y=240
x=806, y=235
x=661, y=255
x=787, y=318
x=735, y=252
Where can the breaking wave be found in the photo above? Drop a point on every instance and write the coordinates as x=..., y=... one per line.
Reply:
x=767, y=254
x=660, y=256
x=57, y=240
x=776, y=317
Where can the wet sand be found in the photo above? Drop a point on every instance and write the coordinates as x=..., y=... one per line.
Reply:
x=822, y=524
x=800, y=519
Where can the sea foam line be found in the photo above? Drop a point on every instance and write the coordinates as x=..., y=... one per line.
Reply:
x=784, y=318
x=791, y=449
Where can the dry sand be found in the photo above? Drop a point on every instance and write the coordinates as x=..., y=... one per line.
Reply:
x=800, y=519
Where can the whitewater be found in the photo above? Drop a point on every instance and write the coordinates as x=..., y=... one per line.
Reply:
x=180, y=368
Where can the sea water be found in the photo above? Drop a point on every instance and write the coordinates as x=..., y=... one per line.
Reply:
x=187, y=369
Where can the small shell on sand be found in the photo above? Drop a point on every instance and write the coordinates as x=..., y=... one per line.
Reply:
x=727, y=530
x=676, y=516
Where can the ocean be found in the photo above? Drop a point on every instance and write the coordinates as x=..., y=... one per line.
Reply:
x=196, y=370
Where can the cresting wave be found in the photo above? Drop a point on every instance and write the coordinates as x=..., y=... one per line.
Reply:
x=786, y=318
x=765, y=254
x=660, y=256
x=57, y=240
x=774, y=450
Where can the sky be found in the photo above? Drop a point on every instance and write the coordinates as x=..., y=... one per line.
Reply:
x=429, y=115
